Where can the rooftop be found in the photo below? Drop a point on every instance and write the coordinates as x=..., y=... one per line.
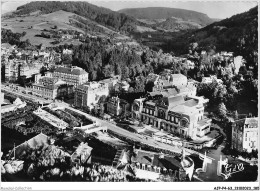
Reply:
x=173, y=101
x=73, y=71
x=91, y=86
x=159, y=160
x=165, y=92
x=6, y=45
x=83, y=149
x=253, y=122
x=39, y=140
x=248, y=122
x=53, y=120
x=174, y=76
x=191, y=103
x=184, y=110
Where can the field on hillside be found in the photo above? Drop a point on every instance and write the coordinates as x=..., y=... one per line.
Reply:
x=34, y=25
x=144, y=29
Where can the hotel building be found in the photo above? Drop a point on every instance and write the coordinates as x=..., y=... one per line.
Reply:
x=245, y=134
x=50, y=88
x=174, y=114
x=87, y=95
x=74, y=76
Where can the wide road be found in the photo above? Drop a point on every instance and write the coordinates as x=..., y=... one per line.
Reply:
x=133, y=136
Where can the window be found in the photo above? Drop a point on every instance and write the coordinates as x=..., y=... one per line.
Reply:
x=136, y=108
x=176, y=120
x=184, y=123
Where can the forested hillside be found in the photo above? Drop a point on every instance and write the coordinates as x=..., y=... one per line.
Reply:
x=164, y=13
x=106, y=17
x=237, y=34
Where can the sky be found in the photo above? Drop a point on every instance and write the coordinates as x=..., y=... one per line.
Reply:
x=214, y=9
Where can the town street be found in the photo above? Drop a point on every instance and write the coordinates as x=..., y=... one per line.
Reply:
x=28, y=96
x=133, y=136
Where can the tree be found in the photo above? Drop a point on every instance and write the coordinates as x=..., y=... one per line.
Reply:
x=66, y=59
x=102, y=99
x=101, y=110
x=43, y=70
x=243, y=70
x=255, y=153
x=118, y=70
x=222, y=110
x=131, y=90
x=95, y=111
x=125, y=72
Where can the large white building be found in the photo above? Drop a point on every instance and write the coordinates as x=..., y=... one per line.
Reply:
x=245, y=134
x=174, y=114
x=87, y=95
x=17, y=68
x=73, y=76
x=169, y=80
x=50, y=88
x=172, y=85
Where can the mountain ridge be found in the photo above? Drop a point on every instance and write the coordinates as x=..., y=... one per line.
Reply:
x=165, y=12
x=238, y=34
x=101, y=15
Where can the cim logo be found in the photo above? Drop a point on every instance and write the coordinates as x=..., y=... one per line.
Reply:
x=230, y=169
x=226, y=170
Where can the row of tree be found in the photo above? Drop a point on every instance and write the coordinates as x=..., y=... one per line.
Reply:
x=7, y=36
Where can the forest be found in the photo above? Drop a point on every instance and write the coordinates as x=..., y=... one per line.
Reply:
x=7, y=36
x=237, y=34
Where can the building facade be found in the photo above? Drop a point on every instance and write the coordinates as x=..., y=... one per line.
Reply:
x=117, y=106
x=245, y=134
x=51, y=88
x=174, y=84
x=14, y=69
x=87, y=95
x=174, y=114
x=74, y=76
x=169, y=80
x=113, y=106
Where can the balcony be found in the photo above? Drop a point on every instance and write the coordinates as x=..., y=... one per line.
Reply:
x=203, y=122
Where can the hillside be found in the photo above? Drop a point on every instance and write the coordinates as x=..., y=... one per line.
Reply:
x=177, y=24
x=156, y=13
x=34, y=24
x=113, y=20
x=238, y=34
